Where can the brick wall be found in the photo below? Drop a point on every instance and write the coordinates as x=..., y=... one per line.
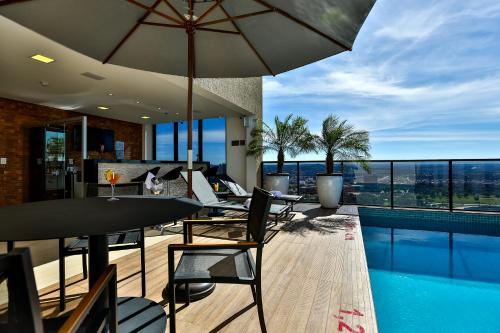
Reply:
x=17, y=117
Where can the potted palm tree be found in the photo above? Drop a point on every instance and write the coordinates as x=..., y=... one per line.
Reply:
x=288, y=137
x=339, y=140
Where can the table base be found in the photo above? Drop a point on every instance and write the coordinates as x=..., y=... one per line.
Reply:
x=197, y=291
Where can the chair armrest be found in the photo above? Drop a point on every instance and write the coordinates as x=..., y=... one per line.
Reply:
x=236, y=246
x=215, y=221
x=77, y=317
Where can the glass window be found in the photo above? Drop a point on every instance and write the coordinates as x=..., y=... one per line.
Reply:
x=214, y=142
x=183, y=140
x=165, y=142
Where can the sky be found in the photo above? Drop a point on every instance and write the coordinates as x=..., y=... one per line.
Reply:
x=423, y=78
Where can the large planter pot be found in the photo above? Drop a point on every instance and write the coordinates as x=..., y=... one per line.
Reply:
x=329, y=187
x=277, y=182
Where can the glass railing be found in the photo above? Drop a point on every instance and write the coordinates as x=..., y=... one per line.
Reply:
x=472, y=185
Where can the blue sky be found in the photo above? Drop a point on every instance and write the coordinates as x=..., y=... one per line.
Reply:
x=423, y=78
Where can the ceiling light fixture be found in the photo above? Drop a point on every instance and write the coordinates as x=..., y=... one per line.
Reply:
x=138, y=102
x=110, y=94
x=42, y=58
x=145, y=117
x=103, y=108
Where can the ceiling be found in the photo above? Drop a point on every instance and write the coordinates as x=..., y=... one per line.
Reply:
x=129, y=94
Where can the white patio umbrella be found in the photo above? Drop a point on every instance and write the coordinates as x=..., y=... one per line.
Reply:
x=231, y=38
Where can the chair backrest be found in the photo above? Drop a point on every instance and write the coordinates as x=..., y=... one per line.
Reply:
x=258, y=214
x=23, y=307
x=234, y=187
x=172, y=174
x=211, y=172
x=142, y=178
x=202, y=188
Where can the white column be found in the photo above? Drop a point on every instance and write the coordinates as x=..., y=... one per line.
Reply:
x=147, y=141
x=236, y=155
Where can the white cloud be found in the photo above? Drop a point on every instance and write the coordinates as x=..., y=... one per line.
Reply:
x=214, y=136
x=431, y=136
x=414, y=24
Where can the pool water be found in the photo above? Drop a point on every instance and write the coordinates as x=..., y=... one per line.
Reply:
x=425, y=281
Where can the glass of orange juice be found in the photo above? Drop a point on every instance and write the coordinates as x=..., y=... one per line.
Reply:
x=112, y=179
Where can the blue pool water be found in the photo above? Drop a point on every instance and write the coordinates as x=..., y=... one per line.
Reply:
x=423, y=281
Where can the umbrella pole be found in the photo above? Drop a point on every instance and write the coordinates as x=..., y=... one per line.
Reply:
x=190, y=32
x=193, y=291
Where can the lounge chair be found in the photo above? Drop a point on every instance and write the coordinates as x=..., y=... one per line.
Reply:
x=240, y=193
x=207, y=196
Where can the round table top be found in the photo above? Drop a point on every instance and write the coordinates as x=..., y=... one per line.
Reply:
x=90, y=216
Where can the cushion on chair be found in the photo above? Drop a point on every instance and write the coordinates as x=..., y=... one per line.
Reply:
x=218, y=265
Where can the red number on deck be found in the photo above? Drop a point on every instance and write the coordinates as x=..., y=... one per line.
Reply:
x=343, y=325
x=349, y=236
x=354, y=312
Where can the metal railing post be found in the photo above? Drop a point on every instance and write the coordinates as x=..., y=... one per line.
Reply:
x=342, y=172
x=450, y=185
x=392, y=184
x=298, y=176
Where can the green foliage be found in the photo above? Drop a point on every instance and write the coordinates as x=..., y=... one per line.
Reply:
x=290, y=136
x=339, y=140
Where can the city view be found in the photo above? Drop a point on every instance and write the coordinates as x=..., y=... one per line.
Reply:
x=424, y=184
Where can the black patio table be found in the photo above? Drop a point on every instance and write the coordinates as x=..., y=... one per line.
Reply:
x=93, y=217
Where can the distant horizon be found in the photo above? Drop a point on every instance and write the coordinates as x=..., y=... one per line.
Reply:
x=423, y=78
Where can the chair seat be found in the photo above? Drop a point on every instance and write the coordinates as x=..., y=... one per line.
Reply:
x=217, y=265
x=128, y=237
x=135, y=314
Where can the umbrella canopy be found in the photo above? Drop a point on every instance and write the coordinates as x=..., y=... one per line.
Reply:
x=231, y=38
x=234, y=38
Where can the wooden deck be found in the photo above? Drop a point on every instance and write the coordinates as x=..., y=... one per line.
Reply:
x=315, y=279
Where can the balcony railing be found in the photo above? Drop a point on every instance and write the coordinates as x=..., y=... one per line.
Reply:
x=459, y=184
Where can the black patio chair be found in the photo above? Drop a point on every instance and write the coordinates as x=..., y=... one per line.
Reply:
x=119, y=241
x=24, y=313
x=223, y=263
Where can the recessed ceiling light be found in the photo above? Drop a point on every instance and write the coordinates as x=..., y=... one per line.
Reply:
x=177, y=113
x=145, y=117
x=138, y=102
x=110, y=94
x=42, y=58
x=103, y=108
x=159, y=108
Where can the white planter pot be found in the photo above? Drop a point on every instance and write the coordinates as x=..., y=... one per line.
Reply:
x=329, y=187
x=277, y=182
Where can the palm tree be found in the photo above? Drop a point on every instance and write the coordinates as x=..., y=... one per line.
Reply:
x=290, y=136
x=340, y=140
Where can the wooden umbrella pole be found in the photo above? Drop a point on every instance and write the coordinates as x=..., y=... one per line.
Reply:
x=190, y=29
x=190, y=32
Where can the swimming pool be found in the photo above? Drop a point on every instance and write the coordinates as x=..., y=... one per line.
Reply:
x=428, y=281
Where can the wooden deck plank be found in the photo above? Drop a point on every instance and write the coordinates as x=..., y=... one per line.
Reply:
x=310, y=273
